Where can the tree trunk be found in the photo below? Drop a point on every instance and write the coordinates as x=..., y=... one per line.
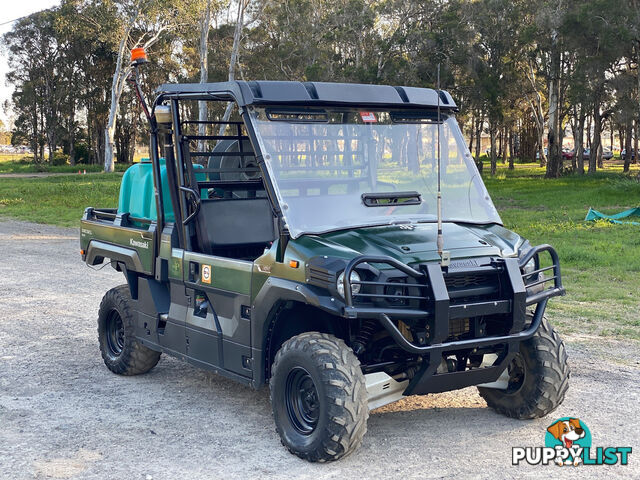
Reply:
x=492, y=133
x=597, y=129
x=511, y=152
x=627, y=146
x=505, y=132
x=554, y=160
x=472, y=133
x=574, y=134
x=578, y=141
x=611, y=134
x=237, y=35
x=637, y=134
x=204, y=71
x=479, y=135
x=635, y=139
x=72, y=135
x=538, y=116
x=117, y=85
x=34, y=137
x=599, y=155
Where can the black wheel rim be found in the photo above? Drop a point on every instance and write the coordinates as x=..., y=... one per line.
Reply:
x=517, y=374
x=301, y=399
x=115, y=333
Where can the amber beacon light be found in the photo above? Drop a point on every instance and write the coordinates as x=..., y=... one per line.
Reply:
x=138, y=56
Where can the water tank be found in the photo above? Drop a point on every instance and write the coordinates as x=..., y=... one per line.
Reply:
x=137, y=195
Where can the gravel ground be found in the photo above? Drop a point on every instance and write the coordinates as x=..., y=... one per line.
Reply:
x=64, y=415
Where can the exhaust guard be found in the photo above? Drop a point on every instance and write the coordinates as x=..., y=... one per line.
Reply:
x=438, y=308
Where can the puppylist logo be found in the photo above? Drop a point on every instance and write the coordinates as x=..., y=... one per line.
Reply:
x=568, y=442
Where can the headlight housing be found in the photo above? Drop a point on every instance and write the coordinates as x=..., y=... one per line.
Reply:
x=355, y=287
x=530, y=266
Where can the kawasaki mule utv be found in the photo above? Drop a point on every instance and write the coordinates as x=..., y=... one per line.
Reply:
x=299, y=247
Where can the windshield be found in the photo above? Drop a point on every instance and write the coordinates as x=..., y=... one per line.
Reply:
x=335, y=169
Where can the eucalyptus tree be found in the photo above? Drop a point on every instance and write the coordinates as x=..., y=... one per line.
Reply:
x=495, y=55
x=598, y=32
x=34, y=55
x=138, y=23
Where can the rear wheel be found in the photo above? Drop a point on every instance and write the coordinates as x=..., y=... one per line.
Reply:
x=319, y=398
x=121, y=351
x=538, y=378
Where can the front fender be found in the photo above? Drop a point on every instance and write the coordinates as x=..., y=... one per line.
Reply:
x=271, y=295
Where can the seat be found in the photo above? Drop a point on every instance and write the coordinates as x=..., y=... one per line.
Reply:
x=236, y=228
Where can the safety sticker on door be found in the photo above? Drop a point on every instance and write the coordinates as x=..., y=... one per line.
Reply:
x=206, y=274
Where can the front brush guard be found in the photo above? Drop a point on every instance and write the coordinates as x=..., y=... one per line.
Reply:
x=443, y=311
x=426, y=380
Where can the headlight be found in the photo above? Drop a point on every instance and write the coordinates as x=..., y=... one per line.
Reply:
x=354, y=277
x=529, y=267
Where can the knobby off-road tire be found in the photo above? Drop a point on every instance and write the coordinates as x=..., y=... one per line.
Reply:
x=121, y=352
x=538, y=378
x=319, y=397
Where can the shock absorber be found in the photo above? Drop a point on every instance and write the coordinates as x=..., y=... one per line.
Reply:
x=367, y=328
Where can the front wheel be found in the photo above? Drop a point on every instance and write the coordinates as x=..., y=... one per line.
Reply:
x=538, y=377
x=318, y=396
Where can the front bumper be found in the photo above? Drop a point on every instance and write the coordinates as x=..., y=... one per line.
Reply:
x=439, y=306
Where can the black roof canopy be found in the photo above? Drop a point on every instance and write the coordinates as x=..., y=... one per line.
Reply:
x=310, y=93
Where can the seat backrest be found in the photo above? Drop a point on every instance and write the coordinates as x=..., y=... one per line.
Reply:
x=238, y=222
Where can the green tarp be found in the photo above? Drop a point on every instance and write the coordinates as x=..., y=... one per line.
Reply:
x=617, y=218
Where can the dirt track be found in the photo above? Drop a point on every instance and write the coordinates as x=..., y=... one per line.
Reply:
x=64, y=415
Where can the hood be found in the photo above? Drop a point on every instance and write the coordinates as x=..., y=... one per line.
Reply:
x=411, y=243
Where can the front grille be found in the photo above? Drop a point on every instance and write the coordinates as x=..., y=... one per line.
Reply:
x=473, y=286
x=468, y=280
x=458, y=327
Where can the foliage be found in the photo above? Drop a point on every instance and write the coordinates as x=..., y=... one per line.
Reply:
x=515, y=67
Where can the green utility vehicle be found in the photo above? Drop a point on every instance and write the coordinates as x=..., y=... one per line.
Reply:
x=299, y=247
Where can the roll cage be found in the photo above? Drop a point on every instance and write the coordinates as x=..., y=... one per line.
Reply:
x=186, y=182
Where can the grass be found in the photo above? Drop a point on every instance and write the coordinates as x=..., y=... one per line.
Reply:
x=600, y=261
x=57, y=200
x=12, y=163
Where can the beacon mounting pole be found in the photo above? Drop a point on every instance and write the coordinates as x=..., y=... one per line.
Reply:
x=445, y=256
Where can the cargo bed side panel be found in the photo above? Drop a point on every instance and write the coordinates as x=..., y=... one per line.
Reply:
x=118, y=243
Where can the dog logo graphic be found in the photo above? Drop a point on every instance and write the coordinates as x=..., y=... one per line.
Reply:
x=568, y=441
x=567, y=431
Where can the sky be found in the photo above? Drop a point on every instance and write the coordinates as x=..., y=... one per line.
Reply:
x=12, y=10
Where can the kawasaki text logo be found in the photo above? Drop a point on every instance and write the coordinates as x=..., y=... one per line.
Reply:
x=136, y=243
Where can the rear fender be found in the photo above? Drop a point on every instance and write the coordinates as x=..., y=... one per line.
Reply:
x=97, y=251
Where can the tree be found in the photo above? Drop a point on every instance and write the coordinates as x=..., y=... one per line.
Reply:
x=495, y=53
x=555, y=51
x=205, y=23
x=517, y=69
x=140, y=24
x=34, y=59
x=598, y=30
x=233, y=60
